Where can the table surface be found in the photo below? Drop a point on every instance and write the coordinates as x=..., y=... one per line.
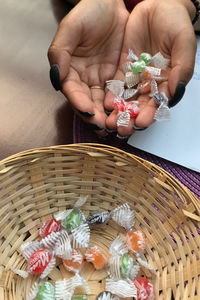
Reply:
x=32, y=113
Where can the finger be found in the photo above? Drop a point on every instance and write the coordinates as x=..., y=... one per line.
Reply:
x=86, y=101
x=182, y=63
x=60, y=51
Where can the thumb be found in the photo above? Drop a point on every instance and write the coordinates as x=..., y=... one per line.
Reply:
x=60, y=51
x=182, y=63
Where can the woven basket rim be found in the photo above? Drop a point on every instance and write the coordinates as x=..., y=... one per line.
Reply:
x=79, y=147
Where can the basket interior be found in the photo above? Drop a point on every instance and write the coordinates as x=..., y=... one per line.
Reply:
x=36, y=184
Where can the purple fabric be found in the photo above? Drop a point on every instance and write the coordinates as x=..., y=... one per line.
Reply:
x=191, y=179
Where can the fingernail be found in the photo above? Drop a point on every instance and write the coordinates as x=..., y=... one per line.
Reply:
x=95, y=127
x=178, y=95
x=111, y=130
x=136, y=128
x=55, y=77
x=86, y=113
x=122, y=137
x=108, y=112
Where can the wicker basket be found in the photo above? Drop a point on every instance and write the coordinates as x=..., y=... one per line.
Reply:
x=37, y=183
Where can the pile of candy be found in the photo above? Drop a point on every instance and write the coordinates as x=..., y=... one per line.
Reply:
x=65, y=234
x=141, y=76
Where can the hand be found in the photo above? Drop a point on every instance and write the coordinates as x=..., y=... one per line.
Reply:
x=155, y=26
x=87, y=48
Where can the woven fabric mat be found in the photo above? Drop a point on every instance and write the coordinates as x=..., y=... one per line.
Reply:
x=190, y=178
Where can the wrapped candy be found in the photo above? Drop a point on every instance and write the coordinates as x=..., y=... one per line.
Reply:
x=144, y=289
x=106, y=296
x=121, y=263
x=96, y=257
x=42, y=291
x=74, y=264
x=135, y=241
x=74, y=221
x=146, y=57
x=98, y=218
x=40, y=262
x=49, y=226
x=126, y=111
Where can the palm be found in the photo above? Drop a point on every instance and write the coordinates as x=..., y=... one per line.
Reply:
x=146, y=32
x=96, y=57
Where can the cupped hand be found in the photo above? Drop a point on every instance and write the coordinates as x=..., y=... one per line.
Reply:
x=85, y=53
x=158, y=26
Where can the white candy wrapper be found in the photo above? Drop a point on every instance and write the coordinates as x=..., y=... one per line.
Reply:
x=144, y=263
x=159, y=61
x=153, y=71
x=64, y=289
x=154, y=88
x=62, y=215
x=118, y=247
x=126, y=67
x=121, y=288
x=106, y=296
x=124, y=216
x=81, y=236
x=29, y=248
x=129, y=93
x=33, y=292
x=63, y=247
x=116, y=87
x=80, y=202
x=114, y=267
x=163, y=111
x=131, y=55
x=131, y=79
x=123, y=119
x=49, y=241
x=21, y=273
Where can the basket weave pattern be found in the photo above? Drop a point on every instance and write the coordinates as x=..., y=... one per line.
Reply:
x=35, y=184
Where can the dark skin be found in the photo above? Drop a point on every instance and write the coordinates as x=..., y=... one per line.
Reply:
x=93, y=41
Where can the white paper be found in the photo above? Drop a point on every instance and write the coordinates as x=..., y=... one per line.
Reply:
x=178, y=139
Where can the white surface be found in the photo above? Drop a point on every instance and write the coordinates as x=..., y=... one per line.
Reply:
x=177, y=140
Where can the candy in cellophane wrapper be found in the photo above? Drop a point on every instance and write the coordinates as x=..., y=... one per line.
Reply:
x=42, y=291
x=75, y=263
x=96, y=257
x=74, y=221
x=145, y=289
x=163, y=111
x=98, y=218
x=121, y=263
x=64, y=289
x=106, y=296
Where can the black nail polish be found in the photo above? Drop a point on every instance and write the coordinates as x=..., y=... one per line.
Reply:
x=96, y=127
x=108, y=112
x=172, y=296
x=111, y=130
x=136, y=128
x=86, y=113
x=55, y=77
x=178, y=95
x=122, y=137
